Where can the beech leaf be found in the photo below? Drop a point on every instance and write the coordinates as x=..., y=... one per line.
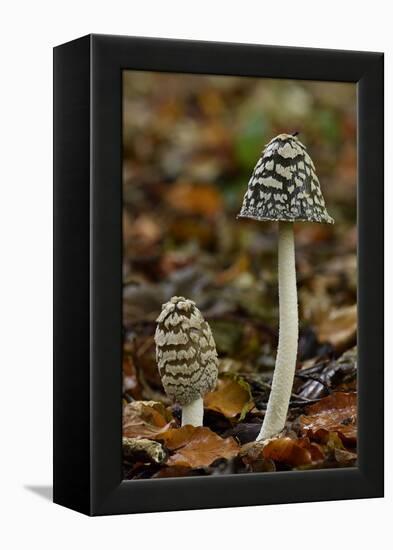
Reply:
x=231, y=398
x=284, y=450
x=145, y=419
x=196, y=447
x=294, y=452
x=335, y=413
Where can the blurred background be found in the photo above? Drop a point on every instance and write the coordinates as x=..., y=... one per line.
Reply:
x=190, y=143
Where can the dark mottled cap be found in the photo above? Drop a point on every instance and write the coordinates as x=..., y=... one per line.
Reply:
x=284, y=185
x=185, y=351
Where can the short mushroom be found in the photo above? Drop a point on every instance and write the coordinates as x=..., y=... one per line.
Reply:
x=186, y=357
x=285, y=188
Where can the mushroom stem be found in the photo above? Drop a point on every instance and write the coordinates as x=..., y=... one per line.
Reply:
x=284, y=371
x=193, y=413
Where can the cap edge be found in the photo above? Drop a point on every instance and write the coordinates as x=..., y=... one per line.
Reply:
x=290, y=220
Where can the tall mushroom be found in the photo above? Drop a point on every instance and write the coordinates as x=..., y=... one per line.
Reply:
x=186, y=357
x=285, y=188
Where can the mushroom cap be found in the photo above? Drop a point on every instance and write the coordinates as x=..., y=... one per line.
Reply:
x=284, y=185
x=185, y=351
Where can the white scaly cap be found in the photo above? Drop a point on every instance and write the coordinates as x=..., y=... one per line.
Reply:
x=284, y=185
x=186, y=351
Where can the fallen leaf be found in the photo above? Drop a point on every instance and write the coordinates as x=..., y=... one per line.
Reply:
x=231, y=398
x=252, y=455
x=333, y=442
x=339, y=328
x=347, y=364
x=145, y=419
x=283, y=450
x=335, y=413
x=294, y=452
x=337, y=454
x=196, y=447
x=191, y=198
x=330, y=374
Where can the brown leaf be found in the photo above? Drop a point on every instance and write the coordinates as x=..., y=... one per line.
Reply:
x=339, y=328
x=231, y=398
x=252, y=455
x=337, y=454
x=196, y=447
x=194, y=198
x=145, y=419
x=294, y=452
x=335, y=413
x=285, y=450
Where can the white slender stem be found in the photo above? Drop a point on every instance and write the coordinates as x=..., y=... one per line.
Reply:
x=193, y=413
x=284, y=371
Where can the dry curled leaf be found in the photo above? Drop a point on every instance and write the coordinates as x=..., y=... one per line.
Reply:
x=231, y=398
x=335, y=413
x=196, y=447
x=145, y=419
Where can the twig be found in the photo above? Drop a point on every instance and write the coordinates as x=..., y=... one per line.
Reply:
x=294, y=395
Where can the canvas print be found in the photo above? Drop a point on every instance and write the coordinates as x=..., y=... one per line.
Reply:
x=239, y=275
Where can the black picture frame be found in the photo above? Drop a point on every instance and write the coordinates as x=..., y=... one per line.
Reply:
x=88, y=275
